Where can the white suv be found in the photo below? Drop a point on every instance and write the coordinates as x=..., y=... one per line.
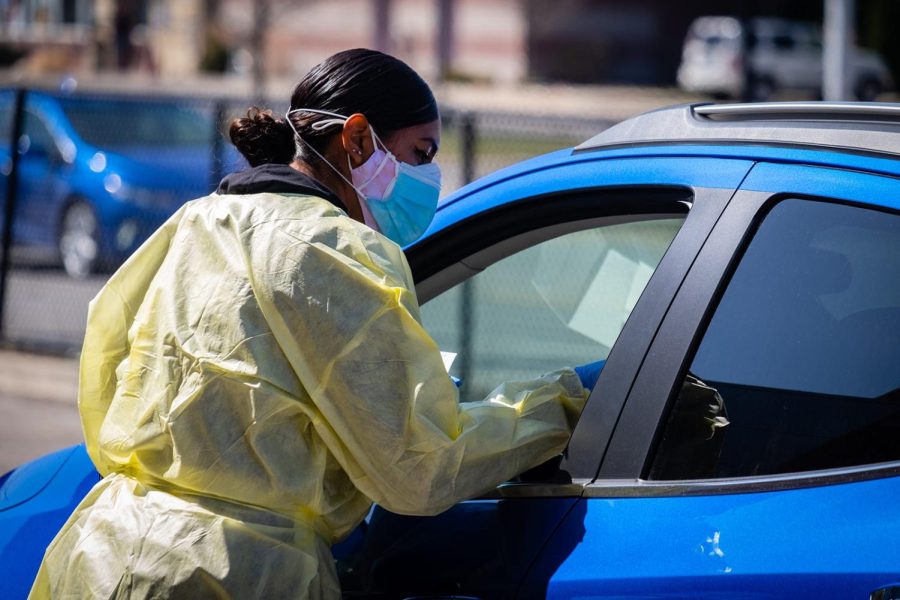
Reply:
x=783, y=55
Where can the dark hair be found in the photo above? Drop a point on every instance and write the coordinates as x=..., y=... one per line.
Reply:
x=385, y=89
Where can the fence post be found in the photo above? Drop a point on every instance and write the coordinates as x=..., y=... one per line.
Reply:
x=9, y=208
x=468, y=139
x=218, y=169
x=467, y=134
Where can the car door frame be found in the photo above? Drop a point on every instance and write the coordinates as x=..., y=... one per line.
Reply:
x=445, y=248
x=624, y=466
x=35, y=203
x=620, y=492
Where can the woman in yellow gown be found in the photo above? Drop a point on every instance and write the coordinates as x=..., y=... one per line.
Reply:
x=256, y=375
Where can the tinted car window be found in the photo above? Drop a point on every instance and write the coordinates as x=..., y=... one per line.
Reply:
x=797, y=369
x=783, y=42
x=36, y=137
x=6, y=117
x=559, y=303
x=112, y=123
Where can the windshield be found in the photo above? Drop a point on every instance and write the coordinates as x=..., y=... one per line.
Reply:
x=121, y=123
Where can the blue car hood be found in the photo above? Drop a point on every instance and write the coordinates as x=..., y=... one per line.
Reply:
x=26, y=482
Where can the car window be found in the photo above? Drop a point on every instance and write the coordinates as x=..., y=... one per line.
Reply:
x=116, y=124
x=6, y=121
x=805, y=35
x=783, y=42
x=36, y=137
x=558, y=303
x=797, y=369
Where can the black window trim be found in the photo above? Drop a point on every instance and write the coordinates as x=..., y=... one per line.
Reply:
x=595, y=428
x=625, y=467
x=482, y=230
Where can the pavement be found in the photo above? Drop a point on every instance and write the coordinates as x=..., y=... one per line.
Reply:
x=38, y=411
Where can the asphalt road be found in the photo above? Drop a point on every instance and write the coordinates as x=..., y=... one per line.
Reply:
x=47, y=308
x=38, y=411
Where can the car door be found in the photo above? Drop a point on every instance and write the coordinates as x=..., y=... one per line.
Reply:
x=7, y=100
x=37, y=183
x=511, y=291
x=41, y=167
x=758, y=453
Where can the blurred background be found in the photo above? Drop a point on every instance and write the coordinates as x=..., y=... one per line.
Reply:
x=112, y=113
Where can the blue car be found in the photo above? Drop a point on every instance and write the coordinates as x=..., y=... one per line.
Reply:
x=97, y=175
x=738, y=269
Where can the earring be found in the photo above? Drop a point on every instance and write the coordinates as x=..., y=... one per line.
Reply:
x=358, y=151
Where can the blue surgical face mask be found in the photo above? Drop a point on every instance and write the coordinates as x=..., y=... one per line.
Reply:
x=401, y=198
x=410, y=204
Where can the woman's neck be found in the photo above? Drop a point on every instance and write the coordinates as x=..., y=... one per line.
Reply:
x=325, y=175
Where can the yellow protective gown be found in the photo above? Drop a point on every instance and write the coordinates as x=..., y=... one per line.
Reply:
x=252, y=379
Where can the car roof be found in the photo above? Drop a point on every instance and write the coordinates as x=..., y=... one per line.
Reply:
x=862, y=127
x=681, y=145
x=856, y=136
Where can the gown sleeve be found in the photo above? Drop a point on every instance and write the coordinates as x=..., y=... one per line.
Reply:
x=346, y=317
x=107, y=340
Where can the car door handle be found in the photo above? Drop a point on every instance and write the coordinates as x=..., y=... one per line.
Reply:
x=890, y=592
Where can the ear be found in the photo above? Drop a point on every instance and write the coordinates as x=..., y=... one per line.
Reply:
x=356, y=139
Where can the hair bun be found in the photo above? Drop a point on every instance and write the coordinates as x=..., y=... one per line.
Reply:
x=262, y=138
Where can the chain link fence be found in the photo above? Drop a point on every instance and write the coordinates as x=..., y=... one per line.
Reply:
x=84, y=179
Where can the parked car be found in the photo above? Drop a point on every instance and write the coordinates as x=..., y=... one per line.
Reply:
x=738, y=269
x=779, y=55
x=97, y=175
